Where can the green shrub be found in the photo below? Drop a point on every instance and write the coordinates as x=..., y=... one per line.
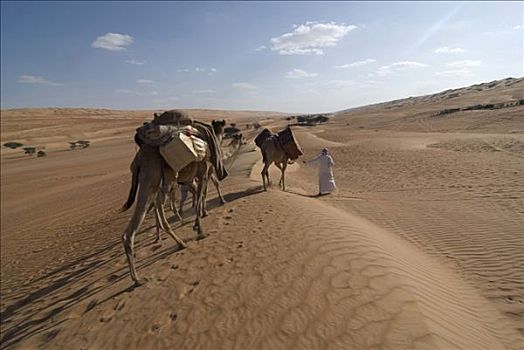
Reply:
x=13, y=145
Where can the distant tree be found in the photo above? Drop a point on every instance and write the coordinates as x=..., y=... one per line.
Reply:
x=321, y=119
x=230, y=131
x=257, y=125
x=29, y=150
x=13, y=145
x=83, y=144
x=41, y=154
x=72, y=145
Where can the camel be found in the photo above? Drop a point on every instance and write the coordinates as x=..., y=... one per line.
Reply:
x=272, y=152
x=168, y=190
x=218, y=128
x=149, y=172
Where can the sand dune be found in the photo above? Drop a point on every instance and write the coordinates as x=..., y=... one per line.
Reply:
x=420, y=247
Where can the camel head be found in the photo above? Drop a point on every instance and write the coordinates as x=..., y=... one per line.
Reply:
x=218, y=126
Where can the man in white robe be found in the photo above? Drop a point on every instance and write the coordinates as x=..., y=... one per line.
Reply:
x=326, y=180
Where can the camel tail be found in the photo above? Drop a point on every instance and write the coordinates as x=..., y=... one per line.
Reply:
x=132, y=191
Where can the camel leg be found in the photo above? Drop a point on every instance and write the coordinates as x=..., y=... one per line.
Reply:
x=166, y=226
x=279, y=166
x=183, y=197
x=145, y=198
x=217, y=186
x=204, y=211
x=172, y=198
x=158, y=225
x=265, y=175
x=202, y=184
x=282, y=177
x=193, y=190
x=172, y=201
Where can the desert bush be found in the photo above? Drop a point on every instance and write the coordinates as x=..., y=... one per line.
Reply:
x=29, y=150
x=83, y=144
x=230, y=131
x=13, y=145
x=320, y=119
x=312, y=119
x=41, y=154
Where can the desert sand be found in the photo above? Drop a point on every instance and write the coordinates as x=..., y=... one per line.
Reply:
x=421, y=246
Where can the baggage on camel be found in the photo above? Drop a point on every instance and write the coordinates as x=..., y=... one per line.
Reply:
x=165, y=128
x=183, y=149
x=289, y=144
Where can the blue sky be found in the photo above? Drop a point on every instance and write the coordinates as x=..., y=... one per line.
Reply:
x=281, y=56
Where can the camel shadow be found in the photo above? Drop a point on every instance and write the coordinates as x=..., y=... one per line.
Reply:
x=214, y=203
x=81, y=280
x=317, y=195
x=73, y=286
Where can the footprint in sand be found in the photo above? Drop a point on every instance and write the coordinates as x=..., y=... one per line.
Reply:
x=120, y=305
x=91, y=305
x=107, y=316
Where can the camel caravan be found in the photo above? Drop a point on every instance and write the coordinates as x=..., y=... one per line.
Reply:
x=175, y=150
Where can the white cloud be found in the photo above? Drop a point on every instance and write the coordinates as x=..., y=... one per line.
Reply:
x=446, y=49
x=260, y=48
x=357, y=64
x=213, y=70
x=464, y=72
x=398, y=66
x=33, y=79
x=465, y=63
x=310, y=38
x=205, y=91
x=199, y=69
x=244, y=86
x=182, y=70
x=113, y=42
x=517, y=27
x=145, y=81
x=135, y=62
x=299, y=74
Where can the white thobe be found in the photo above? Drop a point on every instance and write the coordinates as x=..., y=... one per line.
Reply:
x=326, y=180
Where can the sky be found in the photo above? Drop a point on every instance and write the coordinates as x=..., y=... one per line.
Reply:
x=294, y=57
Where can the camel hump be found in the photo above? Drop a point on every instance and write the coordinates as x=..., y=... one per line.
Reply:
x=264, y=134
x=172, y=117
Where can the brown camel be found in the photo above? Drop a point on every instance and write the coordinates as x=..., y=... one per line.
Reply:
x=272, y=152
x=149, y=171
x=218, y=128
